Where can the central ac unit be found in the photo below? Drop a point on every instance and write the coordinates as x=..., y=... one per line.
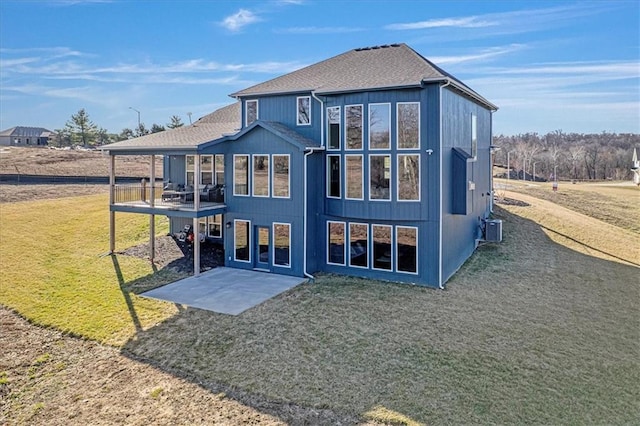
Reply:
x=493, y=230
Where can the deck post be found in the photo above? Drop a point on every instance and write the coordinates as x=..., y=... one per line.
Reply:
x=152, y=218
x=112, y=214
x=196, y=248
x=196, y=184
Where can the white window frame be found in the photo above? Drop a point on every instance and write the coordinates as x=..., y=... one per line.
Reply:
x=253, y=177
x=273, y=230
x=212, y=170
x=474, y=137
x=328, y=124
x=187, y=171
x=249, y=243
x=216, y=171
x=403, y=154
x=211, y=220
x=369, y=126
x=366, y=225
x=273, y=176
x=344, y=246
x=346, y=127
x=373, y=260
x=246, y=111
x=398, y=126
x=346, y=177
x=390, y=175
x=395, y=240
x=298, y=123
x=328, y=183
x=248, y=175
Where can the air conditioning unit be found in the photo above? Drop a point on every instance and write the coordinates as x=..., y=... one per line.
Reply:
x=493, y=230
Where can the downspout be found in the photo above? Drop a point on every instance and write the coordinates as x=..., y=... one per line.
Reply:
x=304, y=218
x=440, y=283
x=313, y=94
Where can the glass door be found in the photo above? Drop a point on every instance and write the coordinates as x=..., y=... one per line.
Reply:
x=262, y=247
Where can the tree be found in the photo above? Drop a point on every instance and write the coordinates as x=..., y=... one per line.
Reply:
x=175, y=122
x=126, y=134
x=102, y=137
x=141, y=130
x=157, y=128
x=81, y=128
x=61, y=138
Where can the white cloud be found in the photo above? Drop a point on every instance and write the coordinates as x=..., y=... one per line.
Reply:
x=482, y=55
x=319, y=30
x=466, y=22
x=239, y=20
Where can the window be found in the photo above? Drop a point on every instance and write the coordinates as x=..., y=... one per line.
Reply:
x=333, y=128
x=354, y=177
x=359, y=245
x=280, y=176
x=304, y=110
x=335, y=243
x=251, y=112
x=282, y=244
x=408, y=126
x=353, y=117
x=211, y=226
x=240, y=175
x=379, y=126
x=333, y=176
x=407, y=249
x=474, y=136
x=260, y=175
x=191, y=167
x=219, y=168
x=242, y=240
x=382, y=247
x=409, y=177
x=206, y=170
x=379, y=177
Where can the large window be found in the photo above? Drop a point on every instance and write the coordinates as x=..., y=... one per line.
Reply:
x=304, y=111
x=280, y=176
x=191, y=169
x=251, y=111
x=353, y=118
x=354, y=177
x=407, y=249
x=382, y=242
x=379, y=177
x=333, y=128
x=333, y=176
x=242, y=240
x=240, y=175
x=260, y=175
x=206, y=169
x=408, y=125
x=409, y=177
x=219, y=169
x=474, y=136
x=282, y=244
x=211, y=226
x=335, y=243
x=379, y=126
x=359, y=245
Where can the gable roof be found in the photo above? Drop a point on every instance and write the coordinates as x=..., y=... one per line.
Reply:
x=280, y=130
x=369, y=68
x=27, y=132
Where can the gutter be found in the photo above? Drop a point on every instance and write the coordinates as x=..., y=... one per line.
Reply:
x=306, y=222
x=313, y=94
x=463, y=89
x=440, y=214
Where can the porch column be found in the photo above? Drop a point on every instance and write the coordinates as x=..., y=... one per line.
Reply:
x=196, y=183
x=196, y=247
x=152, y=218
x=112, y=214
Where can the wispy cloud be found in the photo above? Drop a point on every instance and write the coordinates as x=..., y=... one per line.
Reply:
x=318, y=30
x=239, y=20
x=479, y=56
x=466, y=22
x=76, y=2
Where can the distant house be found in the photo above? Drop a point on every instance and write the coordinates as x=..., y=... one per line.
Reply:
x=374, y=163
x=25, y=136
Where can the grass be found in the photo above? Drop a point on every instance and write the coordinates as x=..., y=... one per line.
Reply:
x=541, y=328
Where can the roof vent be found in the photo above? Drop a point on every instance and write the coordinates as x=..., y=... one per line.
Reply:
x=395, y=45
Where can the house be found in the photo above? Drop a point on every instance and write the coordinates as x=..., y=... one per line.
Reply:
x=25, y=136
x=374, y=163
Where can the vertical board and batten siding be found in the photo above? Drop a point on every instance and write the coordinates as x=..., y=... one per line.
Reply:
x=460, y=231
x=176, y=169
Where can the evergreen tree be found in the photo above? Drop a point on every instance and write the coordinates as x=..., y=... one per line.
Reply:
x=81, y=128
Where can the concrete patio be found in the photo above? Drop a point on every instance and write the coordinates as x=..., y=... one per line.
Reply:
x=225, y=290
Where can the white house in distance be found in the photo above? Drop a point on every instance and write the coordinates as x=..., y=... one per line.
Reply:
x=25, y=136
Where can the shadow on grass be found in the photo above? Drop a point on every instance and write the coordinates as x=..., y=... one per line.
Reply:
x=522, y=327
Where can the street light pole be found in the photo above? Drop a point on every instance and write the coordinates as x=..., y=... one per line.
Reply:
x=132, y=108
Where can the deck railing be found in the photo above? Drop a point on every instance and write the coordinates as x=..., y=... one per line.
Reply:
x=134, y=192
x=138, y=194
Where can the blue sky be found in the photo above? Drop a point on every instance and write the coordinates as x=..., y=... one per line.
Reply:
x=573, y=66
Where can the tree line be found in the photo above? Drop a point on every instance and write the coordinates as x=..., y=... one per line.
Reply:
x=80, y=130
x=570, y=156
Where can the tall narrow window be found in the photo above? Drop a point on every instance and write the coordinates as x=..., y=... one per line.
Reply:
x=261, y=175
x=191, y=167
x=251, y=112
x=333, y=176
x=282, y=244
x=407, y=249
x=408, y=125
x=409, y=177
x=333, y=127
x=379, y=177
x=242, y=240
x=240, y=175
x=304, y=110
x=206, y=169
x=354, y=178
x=382, y=247
x=335, y=243
x=379, y=126
x=280, y=178
x=474, y=136
x=359, y=245
x=353, y=118
x=215, y=226
x=219, y=168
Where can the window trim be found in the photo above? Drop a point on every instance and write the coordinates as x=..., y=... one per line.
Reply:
x=369, y=126
x=398, y=126
x=328, y=124
x=249, y=244
x=213, y=221
x=407, y=154
x=328, y=169
x=396, y=250
x=390, y=176
x=346, y=127
x=248, y=175
x=346, y=176
x=253, y=171
x=373, y=260
x=273, y=230
x=273, y=177
x=344, y=246
x=298, y=123
x=366, y=225
x=246, y=110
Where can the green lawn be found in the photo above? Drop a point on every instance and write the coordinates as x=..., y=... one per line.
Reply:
x=533, y=330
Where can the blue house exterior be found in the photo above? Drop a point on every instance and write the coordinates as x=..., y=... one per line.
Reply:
x=374, y=163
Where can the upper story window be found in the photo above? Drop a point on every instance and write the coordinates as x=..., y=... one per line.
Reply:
x=353, y=120
x=333, y=127
x=474, y=136
x=334, y=182
x=240, y=175
x=354, y=177
x=251, y=111
x=304, y=110
x=408, y=125
x=280, y=176
x=379, y=177
x=260, y=175
x=211, y=169
x=408, y=177
x=219, y=169
x=379, y=126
